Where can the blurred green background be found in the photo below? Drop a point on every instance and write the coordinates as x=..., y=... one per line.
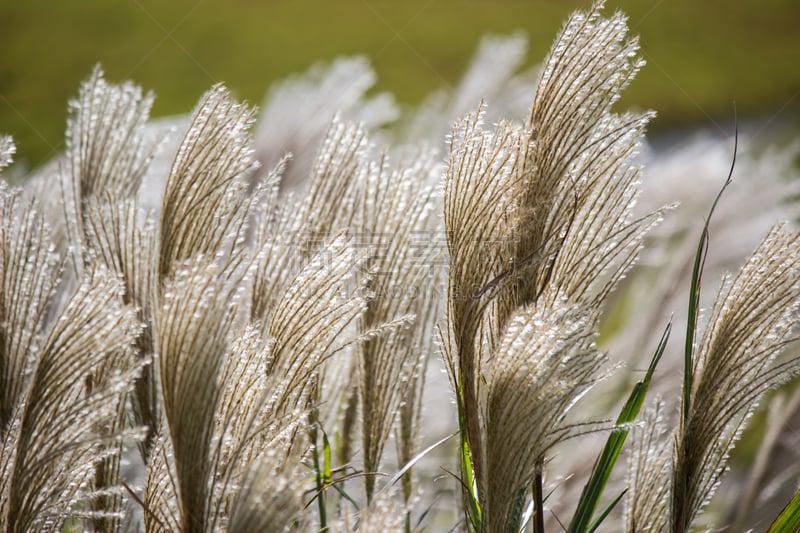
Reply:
x=702, y=54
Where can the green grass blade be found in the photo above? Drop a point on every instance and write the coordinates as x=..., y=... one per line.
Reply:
x=594, y=525
x=694, y=289
x=789, y=519
x=681, y=475
x=691, y=322
x=608, y=458
x=469, y=483
x=326, y=459
x=465, y=462
x=345, y=495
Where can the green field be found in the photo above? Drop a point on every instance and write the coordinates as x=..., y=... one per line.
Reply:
x=702, y=55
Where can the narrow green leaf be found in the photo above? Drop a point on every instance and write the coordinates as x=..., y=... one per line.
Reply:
x=345, y=495
x=473, y=506
x=594, y=525
x=469, y=483
x=326, y=459
x=608, y=458
x=694, y=289
x=681, y=476
x=789, y=519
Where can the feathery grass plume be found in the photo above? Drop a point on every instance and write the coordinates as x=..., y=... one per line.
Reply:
x=393, y=213
x=257, y=405
x=347, y=436
x=578, y=180
x=307, y=325
x=308, y=284
x=199, y=267
x=411, y=403
x=257, y=448
x=192, y=330
x=29, y=279
x=275, y=259
x=60, y=430
x=384, y=513
x=108, y=152
x=291, y=231
x=270, y=500
x=544, y=363
x=647, y=499
x=205, y=205
x=478, y=220
x=118, y=238
x=271, y=385
x=160, y=502
x=735, y=364
x=245, y=384
x=408, y=427
x=330, y=200
x=122, y=239
x=558, y=194
x=295, y=241
x=29, y=266
x=310, y=326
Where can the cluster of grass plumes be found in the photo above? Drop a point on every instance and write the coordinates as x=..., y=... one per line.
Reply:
x=240, y=356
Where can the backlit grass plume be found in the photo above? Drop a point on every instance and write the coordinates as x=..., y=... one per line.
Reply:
x=736, y=362
x=108, y=153
x=194, y=309
x=549, y=203
x=391, y=212
x=65, y=377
